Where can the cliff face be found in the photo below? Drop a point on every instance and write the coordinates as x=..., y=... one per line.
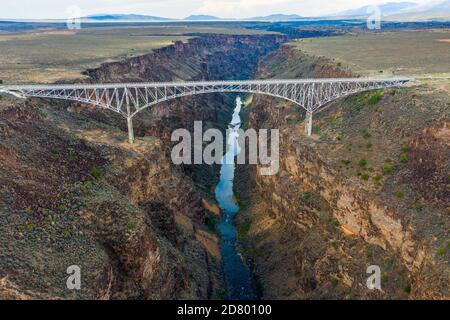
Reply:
x=74, y=193
x=365, y=190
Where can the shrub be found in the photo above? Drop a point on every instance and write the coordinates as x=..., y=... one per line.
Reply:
x=387, y=168
x=405, y=148
x=377, y=178
x=442, y=251
x=96, y=173
x=211, y=222
x=369, y=145
x=334, y=281
x=399, y=194
x=131, y=224
x=306, y=196
x=407, y=288
x=419, y=206
x=362, y=163
x=374, y=98
x=365, y=176
x=365, y=133
x=404, y=158
x=244, y=229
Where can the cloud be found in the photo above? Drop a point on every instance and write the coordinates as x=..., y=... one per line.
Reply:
x=181, y=8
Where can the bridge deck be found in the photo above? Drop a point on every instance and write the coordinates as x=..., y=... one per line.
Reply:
x=198, y=83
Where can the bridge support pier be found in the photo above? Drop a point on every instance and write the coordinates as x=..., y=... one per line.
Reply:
x=308, y=122
x=130, y=130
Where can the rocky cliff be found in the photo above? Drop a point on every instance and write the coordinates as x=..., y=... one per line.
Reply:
x=73, y=192
x=370, y=187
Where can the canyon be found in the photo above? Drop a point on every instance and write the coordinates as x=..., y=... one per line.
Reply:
x=369, y=188
x=73, y=192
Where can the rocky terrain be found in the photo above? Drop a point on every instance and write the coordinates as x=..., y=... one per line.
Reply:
x=73, y=192
x=370, y=187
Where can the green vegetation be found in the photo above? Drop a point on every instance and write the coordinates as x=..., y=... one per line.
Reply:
x=333, y=120
x=419, y=206
x=404, y=158
x=307, y=196
x=244, y=229
x=442, y=251
x=96, y=173
x=369, y=145
x=407, y=288
x=365, y=133
x=377, y=178
x=334, y=281
x=387, y=169
x=405, y=148
x=374, y=98
x=365, y=177
x=42, y=113
x=400, y=194
x=131, y=224
x=362, y=163
x=211, y=222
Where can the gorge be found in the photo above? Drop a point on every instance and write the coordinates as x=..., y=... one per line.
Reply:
x=141, y=227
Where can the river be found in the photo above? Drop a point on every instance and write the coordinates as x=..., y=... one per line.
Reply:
x=238, y=277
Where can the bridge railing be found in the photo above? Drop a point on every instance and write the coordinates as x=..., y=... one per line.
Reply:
x=129, y=99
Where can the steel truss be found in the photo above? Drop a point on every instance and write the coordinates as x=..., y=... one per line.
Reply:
x=129, y=99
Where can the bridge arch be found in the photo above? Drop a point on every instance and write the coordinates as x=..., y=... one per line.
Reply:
x=128, y=99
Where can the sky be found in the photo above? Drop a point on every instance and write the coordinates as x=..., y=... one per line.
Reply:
x=59, y=9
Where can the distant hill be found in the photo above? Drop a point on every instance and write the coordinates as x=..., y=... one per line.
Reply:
x=277, y=17
x=201, y=17
x=125, y=17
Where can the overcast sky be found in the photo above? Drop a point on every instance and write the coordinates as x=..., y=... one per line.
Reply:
x=53, y=9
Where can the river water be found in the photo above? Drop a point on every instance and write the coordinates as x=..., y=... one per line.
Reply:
x=237, y=275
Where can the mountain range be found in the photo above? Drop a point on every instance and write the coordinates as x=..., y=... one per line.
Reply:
x=200, y=17
x=389, y=11
x=403, y=11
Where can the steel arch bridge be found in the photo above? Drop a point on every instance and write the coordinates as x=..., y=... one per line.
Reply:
x=128, y=99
